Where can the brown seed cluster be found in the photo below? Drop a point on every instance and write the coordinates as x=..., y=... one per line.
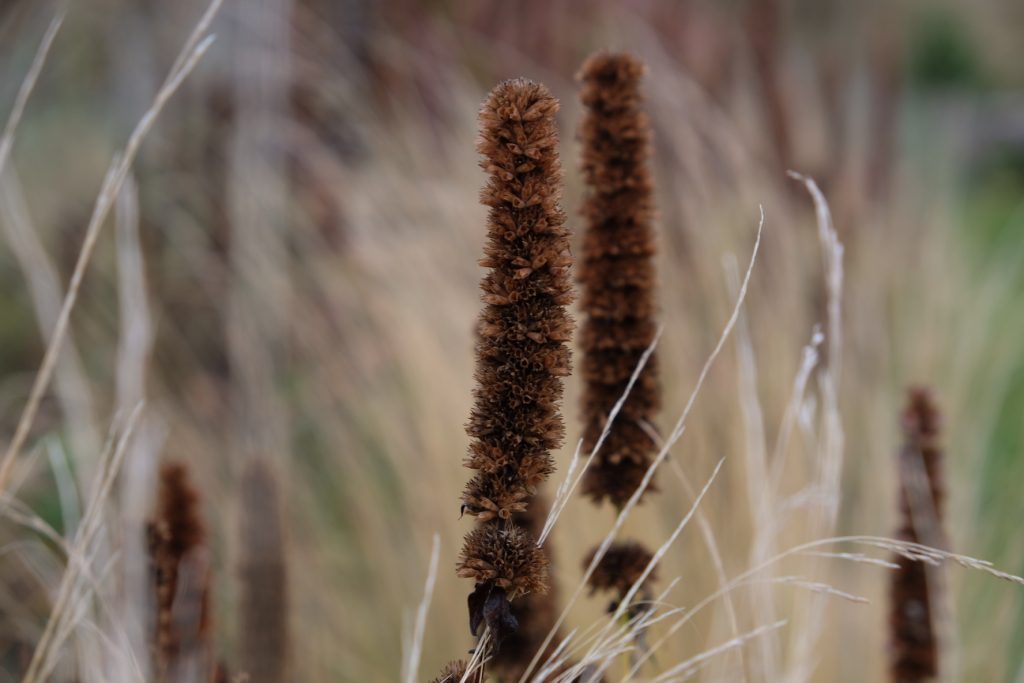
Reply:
x=180, y=579
x=536, y=614
x=620, y=568
x=914, y=646
x=617, y=275
x=453, y=672
x=522, y=353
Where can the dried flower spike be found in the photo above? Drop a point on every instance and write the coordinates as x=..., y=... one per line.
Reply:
x=522, y=353
x=617, y=275
x=915, y=648
x=180, y=576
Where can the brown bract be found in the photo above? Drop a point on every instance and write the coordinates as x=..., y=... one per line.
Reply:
x=914, y=647
x=617, y=275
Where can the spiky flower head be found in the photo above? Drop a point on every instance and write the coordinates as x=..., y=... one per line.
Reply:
x=504, y=557
x=617, y=275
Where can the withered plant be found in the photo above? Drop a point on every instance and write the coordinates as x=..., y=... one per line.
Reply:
x=915, y=646
x=617, y=275
x=180, y=579
x=521, y=351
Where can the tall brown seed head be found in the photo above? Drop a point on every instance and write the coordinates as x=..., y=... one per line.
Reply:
x=914, y=646
x=617, y=275
x=180, y=577
x=521, y=350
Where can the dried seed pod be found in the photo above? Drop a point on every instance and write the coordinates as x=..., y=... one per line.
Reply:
x=915, y=647
x=617, y=275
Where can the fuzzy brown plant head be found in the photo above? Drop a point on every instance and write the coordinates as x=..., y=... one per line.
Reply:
x=180, y=579
x=454, y=672
x=620, y=568
x=505, y=564
x=521, y=351
x=535, y=614
x=915, y=646
x=617, y=275
x=504, y=557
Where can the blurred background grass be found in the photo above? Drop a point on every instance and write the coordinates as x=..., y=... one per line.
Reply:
x=310, y=231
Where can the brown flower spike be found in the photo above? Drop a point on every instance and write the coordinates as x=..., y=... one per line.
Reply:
x=521, y=349
x=617, y=275
x=180, y=577
x=914, y=647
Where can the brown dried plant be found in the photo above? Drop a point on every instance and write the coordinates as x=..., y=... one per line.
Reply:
x=180, y=579
x=617, y=275
x=914, y=646
x=522, y=353
x=536, y=614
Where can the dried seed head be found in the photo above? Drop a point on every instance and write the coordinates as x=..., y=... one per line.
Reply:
x=453, y=672
x=915, y=647
x=617, y=275
x=521, y=350
x=620, y=568
x=521, y=347
x=180, y=577
x=504, y=557
x=536, y=614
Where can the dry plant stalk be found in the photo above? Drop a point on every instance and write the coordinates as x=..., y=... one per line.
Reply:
x=264, y=578
x=180, y=577
x=915, y=647
x=522, y=352
x=617, y=275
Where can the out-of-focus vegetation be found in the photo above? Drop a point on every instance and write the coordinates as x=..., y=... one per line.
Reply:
x=310, y=230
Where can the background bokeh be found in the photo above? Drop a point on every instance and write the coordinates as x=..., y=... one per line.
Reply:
x=309, y=231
